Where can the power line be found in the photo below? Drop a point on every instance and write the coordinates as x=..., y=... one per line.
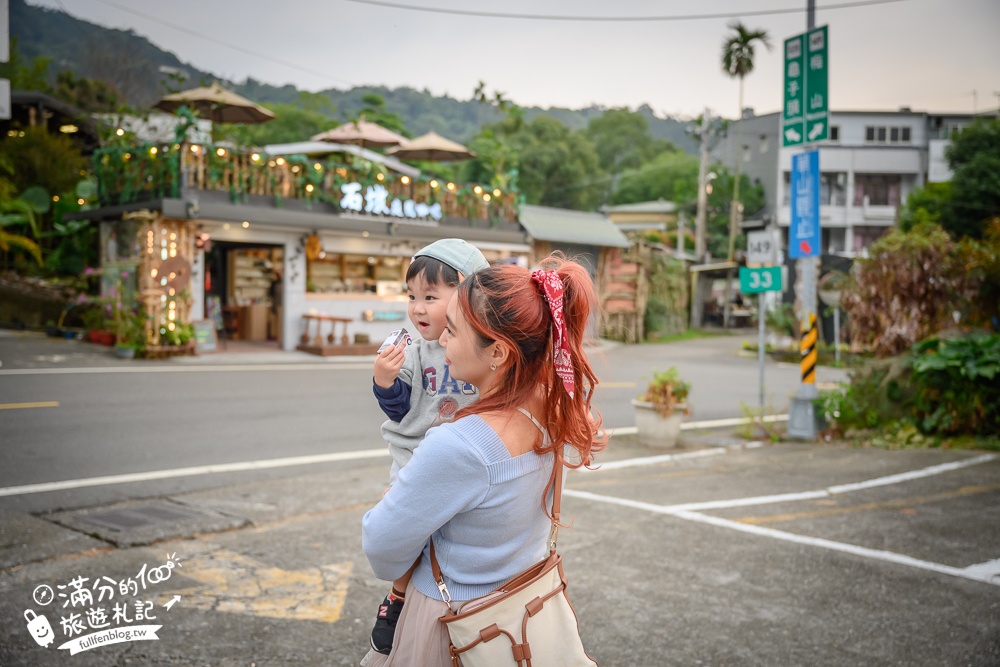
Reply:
x=216, y=41
x=676, y=17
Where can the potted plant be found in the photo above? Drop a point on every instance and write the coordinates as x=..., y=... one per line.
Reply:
x=99, y=328
x=660, y=410
x=130, y=330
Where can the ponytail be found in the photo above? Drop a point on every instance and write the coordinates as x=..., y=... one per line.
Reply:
x=542, y=317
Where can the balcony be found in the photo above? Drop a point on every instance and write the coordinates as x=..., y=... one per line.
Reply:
x=341, y=186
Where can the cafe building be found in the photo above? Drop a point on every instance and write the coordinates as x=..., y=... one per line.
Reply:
x=305, y=249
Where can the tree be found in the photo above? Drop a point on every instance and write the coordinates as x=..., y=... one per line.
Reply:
x=374, y=111
x=927, y=204
x=671, y=175
x=557, y=167
x=738, y=51
x=622, y=140
x=974, y=158
x=91, y=95
x=291, y=123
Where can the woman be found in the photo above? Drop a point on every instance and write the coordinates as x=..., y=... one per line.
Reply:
x=479, y=485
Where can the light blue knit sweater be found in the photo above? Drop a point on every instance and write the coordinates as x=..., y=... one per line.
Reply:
x=483, y=508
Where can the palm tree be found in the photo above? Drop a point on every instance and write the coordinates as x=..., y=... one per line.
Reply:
x=737, y=62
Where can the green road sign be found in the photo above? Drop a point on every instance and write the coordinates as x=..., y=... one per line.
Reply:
x=762, y=279
x=805, y=113
x=817, y=86
x=794, y=113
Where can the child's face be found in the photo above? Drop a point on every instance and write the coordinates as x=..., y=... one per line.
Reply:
x=428, y=303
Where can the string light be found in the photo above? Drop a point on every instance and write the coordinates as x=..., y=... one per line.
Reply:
x=380, y=176
x=153, y=150
x=496, y=193
x=255, y=157
x=246, y=225
x=280, y=161
x=120, y=132
x=486, y=197
x=221, y=152
x=434, y=184
x=318, y=167
x=309, y=187
x=405, y=180
x=478, y=190
x=451, y=186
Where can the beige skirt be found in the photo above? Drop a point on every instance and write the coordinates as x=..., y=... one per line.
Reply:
x=420, y=638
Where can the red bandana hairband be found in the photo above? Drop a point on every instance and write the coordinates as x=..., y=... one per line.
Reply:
x=552, y=292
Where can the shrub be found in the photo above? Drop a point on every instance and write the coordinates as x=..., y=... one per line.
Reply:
x=956, y=387
x=909, y=288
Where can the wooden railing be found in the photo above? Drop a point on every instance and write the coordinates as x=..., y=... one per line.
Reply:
x=146, y=172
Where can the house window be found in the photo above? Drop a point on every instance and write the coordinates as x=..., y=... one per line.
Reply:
x=763, y=143
x=877, y=134
x=880, y=189
x=834, y=133
x=746, y=153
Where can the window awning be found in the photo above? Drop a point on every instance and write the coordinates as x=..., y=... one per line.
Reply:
x=566, y=226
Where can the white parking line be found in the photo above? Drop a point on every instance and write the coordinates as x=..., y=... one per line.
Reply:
x=264, y=464
x=988, y=572
x=192, y=368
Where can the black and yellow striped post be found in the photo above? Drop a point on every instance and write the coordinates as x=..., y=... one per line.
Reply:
x=807, y=347
x=802, y=422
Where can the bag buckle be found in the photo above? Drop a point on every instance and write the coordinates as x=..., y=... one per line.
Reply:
x=553, y=534
x=445, y=595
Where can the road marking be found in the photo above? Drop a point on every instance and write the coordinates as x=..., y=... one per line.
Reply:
x=902, y=504
x=238, y=584
x=263, y=464
x=985, y=572
x=652, y=460
x=221, y=368
x=38, y=404
x=711, y=423
x=984, y=575
x=242, y=466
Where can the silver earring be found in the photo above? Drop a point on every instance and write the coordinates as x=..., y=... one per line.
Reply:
x=493, y=367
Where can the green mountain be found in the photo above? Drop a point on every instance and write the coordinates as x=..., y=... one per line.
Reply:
x=143, y=72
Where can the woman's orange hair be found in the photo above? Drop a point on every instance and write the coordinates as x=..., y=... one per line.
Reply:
x=502, y=303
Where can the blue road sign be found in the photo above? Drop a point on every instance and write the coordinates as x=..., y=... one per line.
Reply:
x=803, y=234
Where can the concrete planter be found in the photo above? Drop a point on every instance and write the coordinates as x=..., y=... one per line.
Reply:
x=657, y=431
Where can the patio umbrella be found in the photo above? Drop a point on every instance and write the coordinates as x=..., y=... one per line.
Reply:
x=216, y=104
x=432, y=147
x=361, y=133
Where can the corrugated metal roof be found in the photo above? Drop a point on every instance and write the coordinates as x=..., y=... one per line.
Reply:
x=658, y=206
x=558, y=224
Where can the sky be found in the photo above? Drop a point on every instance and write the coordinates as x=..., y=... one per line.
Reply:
x=930, y=55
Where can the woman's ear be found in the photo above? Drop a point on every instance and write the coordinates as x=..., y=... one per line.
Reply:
x=499, y=353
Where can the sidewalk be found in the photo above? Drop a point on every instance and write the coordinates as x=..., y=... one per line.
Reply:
x=32, y=349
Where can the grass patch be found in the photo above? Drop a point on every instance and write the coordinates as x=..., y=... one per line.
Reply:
x=903, y=435
x=690, y=334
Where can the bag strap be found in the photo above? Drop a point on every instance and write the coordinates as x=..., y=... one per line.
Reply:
x=555, y=482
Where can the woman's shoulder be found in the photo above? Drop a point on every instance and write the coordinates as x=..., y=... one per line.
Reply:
x=471, y=435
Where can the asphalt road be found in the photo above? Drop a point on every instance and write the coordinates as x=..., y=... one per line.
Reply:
x=723, y=553
x=96, y=416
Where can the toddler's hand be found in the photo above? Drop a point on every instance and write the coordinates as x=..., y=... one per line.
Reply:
x=387, y=365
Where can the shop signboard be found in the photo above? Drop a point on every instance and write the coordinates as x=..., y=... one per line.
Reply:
x=205, y=339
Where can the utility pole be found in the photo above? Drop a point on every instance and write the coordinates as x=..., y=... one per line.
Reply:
x=802, y=417
x=700, y=221
x=701, y=214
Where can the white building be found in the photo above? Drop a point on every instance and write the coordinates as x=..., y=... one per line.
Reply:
x=870, y=164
